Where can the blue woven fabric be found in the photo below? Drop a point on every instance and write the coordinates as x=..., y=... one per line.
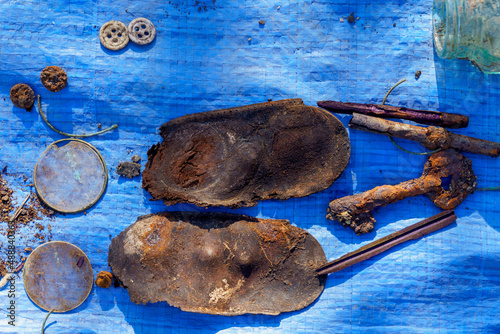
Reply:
x=211, y=54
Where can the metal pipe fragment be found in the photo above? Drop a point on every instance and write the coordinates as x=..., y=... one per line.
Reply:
x=447, y=120
x=412, y=232
x=431, y=137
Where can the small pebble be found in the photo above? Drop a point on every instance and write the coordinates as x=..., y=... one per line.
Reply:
x=5, y=198
x=341, y=20
x=417, y=74
x=262, y=22
x=136, y=158
x=351, y=18
x=250, y=39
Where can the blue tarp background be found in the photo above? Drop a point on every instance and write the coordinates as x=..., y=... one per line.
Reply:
x=202, y=59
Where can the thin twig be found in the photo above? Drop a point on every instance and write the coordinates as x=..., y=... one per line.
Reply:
x=429, y=117
x=18, y=210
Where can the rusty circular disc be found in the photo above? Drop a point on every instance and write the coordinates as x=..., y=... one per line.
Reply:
x=53, y=278
x=70, y=176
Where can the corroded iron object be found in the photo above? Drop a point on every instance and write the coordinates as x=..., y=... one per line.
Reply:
x=412, y=232
x=431, y=137
x=53, y=78
x=218, y=263
x=355, y=211
x=104, y=279
x=447, y=120
x=239, y=156
x=22, y=96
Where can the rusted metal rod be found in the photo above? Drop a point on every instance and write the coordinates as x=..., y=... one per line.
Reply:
x=355, y=211
x=412, y=232
x=447, y=120
x=431, y=137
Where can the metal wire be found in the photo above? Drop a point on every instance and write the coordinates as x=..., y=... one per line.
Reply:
x=392, y=139
x=45, y=320
x=114, y=126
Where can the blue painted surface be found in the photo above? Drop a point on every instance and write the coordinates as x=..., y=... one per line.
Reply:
x=202, y=59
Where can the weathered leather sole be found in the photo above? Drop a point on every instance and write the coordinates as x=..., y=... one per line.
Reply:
x=236, y=157
x=218, y=263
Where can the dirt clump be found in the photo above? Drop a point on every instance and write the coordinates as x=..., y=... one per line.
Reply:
x=129, y=169
x=351, y=18
x=27, y=230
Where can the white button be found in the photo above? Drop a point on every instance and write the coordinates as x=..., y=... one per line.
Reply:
x=141, y=31
x=114, y=35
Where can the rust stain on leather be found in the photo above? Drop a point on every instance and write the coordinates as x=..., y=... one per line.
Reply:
x=239, y=156
x=218, y=263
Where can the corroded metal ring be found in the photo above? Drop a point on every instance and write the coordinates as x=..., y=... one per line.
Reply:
x=58, y=276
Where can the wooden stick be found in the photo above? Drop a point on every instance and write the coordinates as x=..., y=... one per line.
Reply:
x=447, y=120
x=18, y=210
x=431, y=137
